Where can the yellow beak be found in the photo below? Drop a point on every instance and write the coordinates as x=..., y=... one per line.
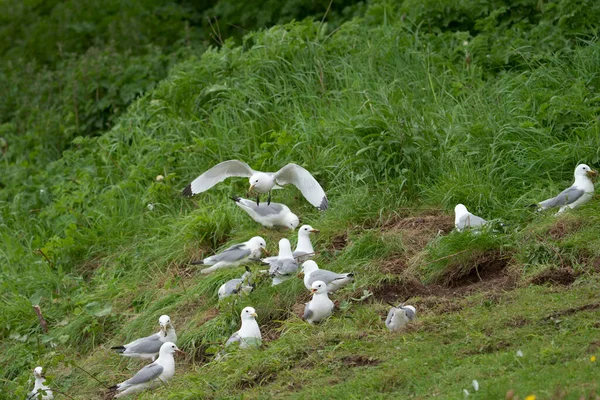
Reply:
x=592, y=173
x=251, y=188
x=254, y=315
x=314, y=231
x=313, y=290
x=180, y=352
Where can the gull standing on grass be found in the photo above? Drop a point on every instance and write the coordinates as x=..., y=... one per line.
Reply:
x=261, y=182
x=234, y=255
x=249, y=333
x=285, y=266
x=40, y=387
x=149, y=346
x=304, y=248
x=399, y=316
x=268, y=215
x=320, y=307
x=333, y=280
x=152, y=375
x=463, y=219
x=238, y=285
x=579, y=193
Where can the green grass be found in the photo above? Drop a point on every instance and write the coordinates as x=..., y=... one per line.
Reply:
x=397, y=128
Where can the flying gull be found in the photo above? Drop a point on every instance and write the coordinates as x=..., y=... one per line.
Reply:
x=333, y=280
x=268, y=215
x=284, y=267
x=40, y=388
x=580, y=192
x=149, y=347
x=249, y=333
x=463, y=219
x=239, y=285
x=320, y=307
x=399, y=316
x=152, y=375
x=234, y=255
x=261, y=182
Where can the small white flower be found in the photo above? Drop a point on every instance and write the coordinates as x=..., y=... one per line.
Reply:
x=42, y=191
x=465, y=43
x=519, y=353
x=466, y=392
x=160, y=178
x=150, y=206
x=475, y=385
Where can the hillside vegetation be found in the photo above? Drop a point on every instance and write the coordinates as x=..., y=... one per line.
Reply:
x=400, y=114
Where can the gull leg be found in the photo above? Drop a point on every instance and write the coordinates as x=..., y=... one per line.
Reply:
x=257, y=200
x=269, y=199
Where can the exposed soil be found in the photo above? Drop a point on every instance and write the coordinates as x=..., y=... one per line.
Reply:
x=359, y=361
x=339, y=242
x=564, y=227
x=555, y=276
x=417, y=231
x=489, y=266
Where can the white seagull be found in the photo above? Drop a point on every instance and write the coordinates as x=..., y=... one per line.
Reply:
x=152, y=375
x=399, y=316
x=234, y=255
x=238, y=285
x=149, y=346
x=40, y=387
x=320, y=307
x=580, y=192
x=284, y=266
x=304, y=248
x=268, y=215
x=249, y=333
x=463, y=219
x=262, y=182
x=333, y=280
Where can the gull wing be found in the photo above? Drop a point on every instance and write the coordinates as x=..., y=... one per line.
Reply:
x=217, y=174
x=305, y=182
x=147, y=345
x=232, y=254
x=146, y=374
x=567, y=196
x=235, y=338
x=325, y=276
x=470, y=221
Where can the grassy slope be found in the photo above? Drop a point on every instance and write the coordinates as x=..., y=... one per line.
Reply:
x=393, y=129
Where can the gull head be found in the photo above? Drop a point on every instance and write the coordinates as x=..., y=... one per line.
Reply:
x=261, y=182
x=291, y=221
x=319, y=287
x=169, y=348
x=37, y=372
x=285, y=249
x=248, y=313
x=459, y=211
x=165, y=322
x=306, y=230
x=584, y=171
x=256, y=244
x=309, y=266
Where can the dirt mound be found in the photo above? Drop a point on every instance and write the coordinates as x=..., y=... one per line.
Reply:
x=488, y=266
x=359, y=361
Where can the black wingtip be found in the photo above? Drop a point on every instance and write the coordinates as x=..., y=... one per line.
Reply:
x=187, y=191
x=113, y=388
x=199, y=262
x=235, y=198
x=248, y=269
x=351, y=274
x=324, y=204
x=119, y=349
